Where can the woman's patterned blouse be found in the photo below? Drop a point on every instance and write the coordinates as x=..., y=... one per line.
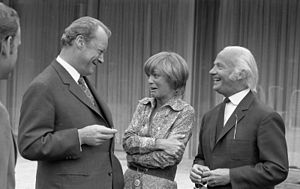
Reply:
x=173, y=118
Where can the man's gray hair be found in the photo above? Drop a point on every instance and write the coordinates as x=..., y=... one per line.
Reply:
x=242, y=59
x=85, y=26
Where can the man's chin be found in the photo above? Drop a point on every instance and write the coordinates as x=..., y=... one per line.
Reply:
x=152, y=95
x=216, y=88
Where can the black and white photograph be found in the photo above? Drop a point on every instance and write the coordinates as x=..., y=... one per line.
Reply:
x=149, y=94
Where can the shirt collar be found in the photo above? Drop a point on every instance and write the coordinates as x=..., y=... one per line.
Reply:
x=70, y=69
x=238, y=97
x=176, y=103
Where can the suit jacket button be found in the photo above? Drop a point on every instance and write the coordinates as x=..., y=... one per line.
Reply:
x=109, y=173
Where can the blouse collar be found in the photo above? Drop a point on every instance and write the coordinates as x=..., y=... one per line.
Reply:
x=176, y=103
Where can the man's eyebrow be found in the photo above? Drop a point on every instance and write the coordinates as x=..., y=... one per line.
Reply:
x=101, y=50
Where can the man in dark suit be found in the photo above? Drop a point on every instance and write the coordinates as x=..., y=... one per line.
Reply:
x=10, y=39
x=242, y=141
x=64, y=124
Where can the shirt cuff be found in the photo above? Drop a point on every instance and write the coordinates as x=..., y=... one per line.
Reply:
x=79, y=142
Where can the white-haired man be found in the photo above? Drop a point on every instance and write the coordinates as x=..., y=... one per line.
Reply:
x=242, y=141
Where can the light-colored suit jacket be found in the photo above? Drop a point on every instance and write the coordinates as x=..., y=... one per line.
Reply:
x=252, y=145
x=8, y=151
x=54, y=107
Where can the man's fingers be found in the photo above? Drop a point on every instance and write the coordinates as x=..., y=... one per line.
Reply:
x=208, y=179
x=194, y=178
x=205, y=179
x=197, y=171
x=195, y=174
x=106, y=130
x=105, y=136
x=207, y=173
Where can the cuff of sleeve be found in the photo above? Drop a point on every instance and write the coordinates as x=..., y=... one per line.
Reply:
x=79, y=142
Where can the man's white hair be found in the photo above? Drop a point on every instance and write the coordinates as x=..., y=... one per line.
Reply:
x=242, y=59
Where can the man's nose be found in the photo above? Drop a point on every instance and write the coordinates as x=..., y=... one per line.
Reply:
x=101, y=58
x=150, y=79
x=212, y=71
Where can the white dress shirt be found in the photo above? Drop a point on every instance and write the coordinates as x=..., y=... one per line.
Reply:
x=234, y=102
x=70, y=69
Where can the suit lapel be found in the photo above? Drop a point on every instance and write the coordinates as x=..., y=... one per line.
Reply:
x=82, y=97
x=102, y=105
x=74, y=88
x=238, y=114
x=213, y=128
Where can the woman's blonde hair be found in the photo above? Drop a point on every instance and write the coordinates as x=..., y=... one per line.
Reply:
x=173, y=66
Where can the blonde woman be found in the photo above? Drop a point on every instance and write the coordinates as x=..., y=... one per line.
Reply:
x=161, y=125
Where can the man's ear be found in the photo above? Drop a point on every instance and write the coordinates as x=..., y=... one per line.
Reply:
x=242, y=75
x=5, y=46
x=80, y=42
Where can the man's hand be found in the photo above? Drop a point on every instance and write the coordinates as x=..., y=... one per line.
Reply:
x=216, y=177
x=197, y=173
x=172, y=145
x=94, y=135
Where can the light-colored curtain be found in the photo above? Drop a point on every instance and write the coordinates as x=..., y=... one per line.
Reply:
x=271, y=30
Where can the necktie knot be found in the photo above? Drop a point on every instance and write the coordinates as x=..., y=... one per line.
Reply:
x=81, y=80
x=226, y=100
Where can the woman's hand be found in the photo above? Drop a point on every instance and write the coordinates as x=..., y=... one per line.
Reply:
x=172, y=145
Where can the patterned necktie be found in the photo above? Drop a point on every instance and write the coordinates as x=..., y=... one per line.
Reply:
x=86, y=90
x=220, y=121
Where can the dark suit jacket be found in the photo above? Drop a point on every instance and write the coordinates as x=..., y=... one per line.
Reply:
x=257, y=155
x=8, y=151
x=54, y=107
